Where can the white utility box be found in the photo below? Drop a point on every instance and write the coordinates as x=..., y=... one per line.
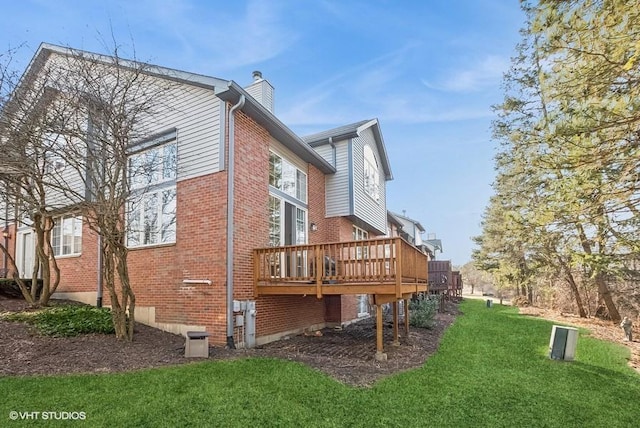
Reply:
x=562, y=345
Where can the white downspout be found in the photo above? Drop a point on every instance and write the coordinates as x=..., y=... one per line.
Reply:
x=230, y=220
x=333, y=151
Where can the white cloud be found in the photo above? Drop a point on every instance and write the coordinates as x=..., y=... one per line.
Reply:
x=485, y=73
x=221, y=40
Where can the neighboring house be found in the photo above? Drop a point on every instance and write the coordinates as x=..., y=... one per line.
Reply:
x=247, y=272
x=411, y=228
x=394, y=225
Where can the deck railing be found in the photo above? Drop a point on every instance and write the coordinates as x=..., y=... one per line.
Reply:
x=373, y=261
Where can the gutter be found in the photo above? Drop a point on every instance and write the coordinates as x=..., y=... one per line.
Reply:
x=230, y=220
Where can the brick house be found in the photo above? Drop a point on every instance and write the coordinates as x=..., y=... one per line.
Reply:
x=195, y=265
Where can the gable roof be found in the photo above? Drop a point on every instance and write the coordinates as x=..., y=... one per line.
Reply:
x=232, y=92
x=226, y=90
x=391, y=217
x=351, y=131
x=46, y=49
x=410, y=220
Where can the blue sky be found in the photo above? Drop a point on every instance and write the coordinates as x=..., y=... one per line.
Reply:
x=428, y=70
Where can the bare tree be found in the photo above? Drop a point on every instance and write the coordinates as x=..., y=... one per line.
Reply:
x=96, y=108
x=23, y=171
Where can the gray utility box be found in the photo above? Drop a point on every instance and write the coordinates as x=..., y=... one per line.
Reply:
x=562, y=345
x=197, y=345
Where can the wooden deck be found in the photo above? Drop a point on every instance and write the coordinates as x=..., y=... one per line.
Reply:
x=388, y=269
x=387, y=266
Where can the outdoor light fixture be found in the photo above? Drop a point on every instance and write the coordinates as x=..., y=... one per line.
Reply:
x=313, y=227
x=6, y=234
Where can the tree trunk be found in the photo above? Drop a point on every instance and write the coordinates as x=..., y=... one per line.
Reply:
x=605, y=295
x=574, y=288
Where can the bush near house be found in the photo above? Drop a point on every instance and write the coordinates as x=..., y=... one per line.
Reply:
x=422, y=312
x=9, y=287
x=67, y=321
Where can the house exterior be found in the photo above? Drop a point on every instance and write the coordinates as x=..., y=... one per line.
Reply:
x=234, y=178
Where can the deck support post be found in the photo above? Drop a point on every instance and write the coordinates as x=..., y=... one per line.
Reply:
x=380, y=355
x=396, y=340
x=406, y=318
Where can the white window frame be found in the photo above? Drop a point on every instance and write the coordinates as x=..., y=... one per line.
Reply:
x=67, y=233
x=287, y=178
x=151, y=211
x=371, y=174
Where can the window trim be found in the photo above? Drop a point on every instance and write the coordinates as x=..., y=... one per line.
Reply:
x=371, y=174
x=156, y=183
x=300, y=193
x=58, y=251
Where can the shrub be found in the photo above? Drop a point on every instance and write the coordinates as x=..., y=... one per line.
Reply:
x=520, y=301
x=68, y=320
x=422, y=311
x=9, y=287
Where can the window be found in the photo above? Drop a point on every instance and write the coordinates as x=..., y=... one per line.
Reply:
x=363, y=305
x=151, y=217
x=371, y=175
x=285, y=177
x=363, y=299
x=66, y=236
x=274, y=222
x=54, y=144
x=362, y=251
x=359, y=234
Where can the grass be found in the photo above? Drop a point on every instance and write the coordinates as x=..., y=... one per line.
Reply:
x=491, y=370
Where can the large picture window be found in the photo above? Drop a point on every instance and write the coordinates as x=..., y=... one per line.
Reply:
x=285, y=177
x=66, y=236
x=151, y=217
x=371, y=174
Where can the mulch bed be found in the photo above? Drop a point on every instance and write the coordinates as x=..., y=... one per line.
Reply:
x=345, y=354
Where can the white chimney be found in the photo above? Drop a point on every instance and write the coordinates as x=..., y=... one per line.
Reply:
x=261, y=90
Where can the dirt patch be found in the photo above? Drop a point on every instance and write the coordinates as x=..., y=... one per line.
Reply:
x=600, y=329
x=345, y=354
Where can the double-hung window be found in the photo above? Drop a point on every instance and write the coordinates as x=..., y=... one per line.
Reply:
x=151, y=214
x=66, y=236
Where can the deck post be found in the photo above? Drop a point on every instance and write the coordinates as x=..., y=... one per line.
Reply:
x=256, y=272
x=380, y=355
x=396, y=340
x=319, y=261
x=406, y=318
x=399, y=267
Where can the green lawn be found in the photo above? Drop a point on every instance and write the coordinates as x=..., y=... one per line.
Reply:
x=491, y=370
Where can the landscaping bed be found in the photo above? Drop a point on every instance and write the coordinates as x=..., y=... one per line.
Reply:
x=346, y=354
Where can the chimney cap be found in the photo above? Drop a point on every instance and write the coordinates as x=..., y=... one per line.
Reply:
x=257, y=75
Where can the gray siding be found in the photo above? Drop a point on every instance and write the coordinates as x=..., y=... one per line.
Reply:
x=196, y=114
x=365, y=207
x=337, y=192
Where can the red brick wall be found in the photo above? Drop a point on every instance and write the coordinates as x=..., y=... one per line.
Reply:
x=157, y=273
x=274, y=313
x=81, y=273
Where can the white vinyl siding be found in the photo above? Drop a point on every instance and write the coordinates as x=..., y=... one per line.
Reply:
x=337, y=195
x=365, y=207
x=196, y=113
x=62, y=175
